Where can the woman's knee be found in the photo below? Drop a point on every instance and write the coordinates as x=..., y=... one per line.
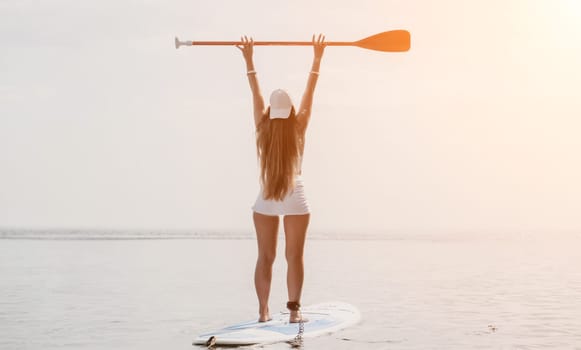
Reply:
x=266, y=258
x=294, y=256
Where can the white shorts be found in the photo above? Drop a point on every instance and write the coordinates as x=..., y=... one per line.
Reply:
x=294, y=203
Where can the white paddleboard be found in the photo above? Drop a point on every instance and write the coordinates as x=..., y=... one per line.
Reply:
x=322, y=318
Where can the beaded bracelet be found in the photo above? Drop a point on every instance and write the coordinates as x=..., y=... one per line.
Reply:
x=315, y=73
x=251, y=72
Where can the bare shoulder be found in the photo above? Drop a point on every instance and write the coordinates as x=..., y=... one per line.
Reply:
x=303, y=119
x=259, y=119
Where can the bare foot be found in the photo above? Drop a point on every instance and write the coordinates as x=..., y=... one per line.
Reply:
x=264, y=316
x=296, y=317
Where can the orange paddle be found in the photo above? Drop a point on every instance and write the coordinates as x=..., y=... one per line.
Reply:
x=390, y=41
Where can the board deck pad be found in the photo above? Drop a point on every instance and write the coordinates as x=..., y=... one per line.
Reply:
x=323, y=318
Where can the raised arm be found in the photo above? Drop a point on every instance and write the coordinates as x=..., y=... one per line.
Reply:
x=258, y=101
x=304, y=113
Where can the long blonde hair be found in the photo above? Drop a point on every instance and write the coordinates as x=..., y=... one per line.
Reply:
x=278, y=147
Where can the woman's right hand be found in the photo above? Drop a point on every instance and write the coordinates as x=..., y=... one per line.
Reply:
x=247, y=48
x=319, y=46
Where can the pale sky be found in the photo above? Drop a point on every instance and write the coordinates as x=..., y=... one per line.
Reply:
x=103, y=124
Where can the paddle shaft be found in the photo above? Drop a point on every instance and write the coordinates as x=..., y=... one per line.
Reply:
x=273, y=43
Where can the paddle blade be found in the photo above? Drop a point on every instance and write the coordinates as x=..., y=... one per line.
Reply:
x=391, y=41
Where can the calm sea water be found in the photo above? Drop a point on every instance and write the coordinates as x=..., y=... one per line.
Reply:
x=416, y=292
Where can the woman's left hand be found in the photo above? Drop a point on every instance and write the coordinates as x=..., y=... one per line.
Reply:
x=247, y=48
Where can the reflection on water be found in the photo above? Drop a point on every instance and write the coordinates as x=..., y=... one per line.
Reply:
x=423, y=293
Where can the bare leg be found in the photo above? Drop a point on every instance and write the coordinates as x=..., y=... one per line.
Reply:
x=266, y=233
x=295, y=230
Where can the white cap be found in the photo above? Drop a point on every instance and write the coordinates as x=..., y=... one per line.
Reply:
x=280, y=104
